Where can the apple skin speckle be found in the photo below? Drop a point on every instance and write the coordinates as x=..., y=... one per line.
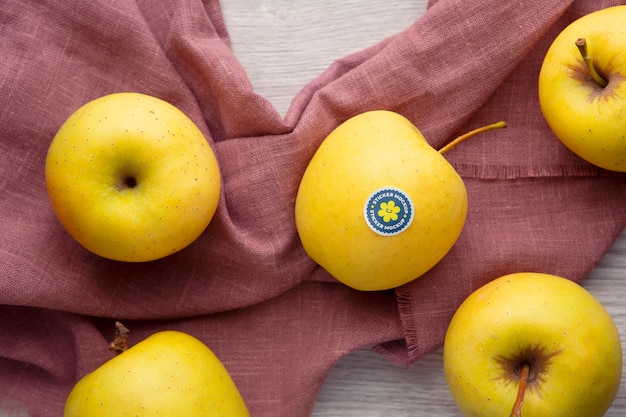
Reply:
x=114, y=187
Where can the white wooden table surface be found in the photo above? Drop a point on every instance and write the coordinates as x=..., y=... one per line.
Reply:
x=283, y=44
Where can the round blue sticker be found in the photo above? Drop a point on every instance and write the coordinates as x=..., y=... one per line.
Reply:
x=388, y=211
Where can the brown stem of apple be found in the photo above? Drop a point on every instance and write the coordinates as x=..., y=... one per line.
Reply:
x=451, y=145
x=517, y=407
x=120, y=342
x=581, y=44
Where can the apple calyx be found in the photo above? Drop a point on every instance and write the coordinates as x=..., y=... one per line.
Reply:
x=498, y=125
x=125, y=182
x=120, y=342
x=519, y=401
x=581, y=44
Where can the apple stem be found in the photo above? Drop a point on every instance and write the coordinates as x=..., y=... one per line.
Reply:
x=451, y=145
x=581, y=43
x=120, y=342
x=517, y=407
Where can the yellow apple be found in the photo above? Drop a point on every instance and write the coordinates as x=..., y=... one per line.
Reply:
x=132, y=178
x=582, y=88
x=377, y=206
x=170, y=373
x=537, y=331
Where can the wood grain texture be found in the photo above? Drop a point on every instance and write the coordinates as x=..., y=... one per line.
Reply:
x=284, y=44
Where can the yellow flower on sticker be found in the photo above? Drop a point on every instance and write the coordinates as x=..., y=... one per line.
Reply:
x=389, y=211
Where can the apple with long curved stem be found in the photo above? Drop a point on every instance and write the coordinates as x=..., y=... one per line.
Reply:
x=532, y=345
x=377, y=205
x=582, y=87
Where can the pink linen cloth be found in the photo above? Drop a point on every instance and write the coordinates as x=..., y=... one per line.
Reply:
x=246, y=287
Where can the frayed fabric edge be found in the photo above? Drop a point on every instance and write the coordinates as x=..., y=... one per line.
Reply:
x=497, y=172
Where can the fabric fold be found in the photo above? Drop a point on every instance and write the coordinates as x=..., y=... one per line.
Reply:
x=278, y=351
